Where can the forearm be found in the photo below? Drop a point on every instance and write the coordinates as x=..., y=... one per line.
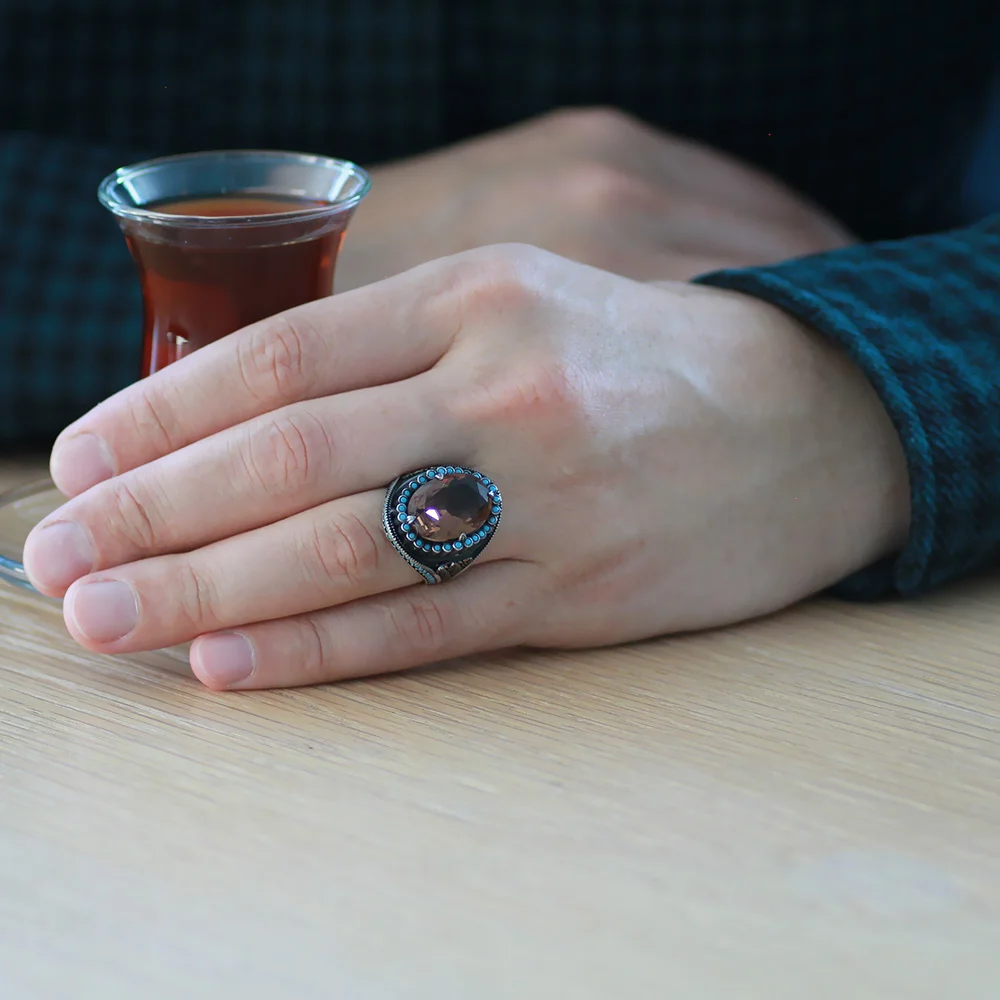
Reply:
x=921, y=318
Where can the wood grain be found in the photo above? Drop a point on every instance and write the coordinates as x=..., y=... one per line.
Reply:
x=807, y=806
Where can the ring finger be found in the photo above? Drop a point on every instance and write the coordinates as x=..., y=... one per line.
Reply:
x=327, y=556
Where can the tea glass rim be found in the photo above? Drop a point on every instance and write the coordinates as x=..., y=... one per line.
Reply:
x=124, y=175
x=12, y=570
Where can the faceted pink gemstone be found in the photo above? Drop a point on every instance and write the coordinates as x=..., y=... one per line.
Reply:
x=448, y=508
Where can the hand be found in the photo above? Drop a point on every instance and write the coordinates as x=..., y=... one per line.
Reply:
x=670, y=458
x=596, y=186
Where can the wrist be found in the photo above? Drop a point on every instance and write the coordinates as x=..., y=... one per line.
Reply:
x=842, y=454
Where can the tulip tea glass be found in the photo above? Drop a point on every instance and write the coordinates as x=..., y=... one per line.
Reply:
x=221, y=240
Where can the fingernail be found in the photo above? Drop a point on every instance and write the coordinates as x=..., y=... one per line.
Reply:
x=59, y=554
x=104, y=610
x=224, y=659
x=80, y=462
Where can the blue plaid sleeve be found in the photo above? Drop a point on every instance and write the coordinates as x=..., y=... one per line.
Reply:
x=70, y=308
x=921, y=317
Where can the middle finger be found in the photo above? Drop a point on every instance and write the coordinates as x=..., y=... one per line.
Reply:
x=254, y=474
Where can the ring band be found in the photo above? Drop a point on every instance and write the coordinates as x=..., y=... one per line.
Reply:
x=441, y=518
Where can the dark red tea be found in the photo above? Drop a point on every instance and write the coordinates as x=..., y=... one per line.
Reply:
x=202, y=283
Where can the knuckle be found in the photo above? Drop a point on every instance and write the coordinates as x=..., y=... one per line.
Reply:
x=197, y=598
x=600, y=189
x=288, y=452
x=134, y=520
x=274, y=358
x=153, y=419
x=533, y=392
x=595, y=126
x=494, y=279
x=343, y=548
x=419, y=623
x=314, y=657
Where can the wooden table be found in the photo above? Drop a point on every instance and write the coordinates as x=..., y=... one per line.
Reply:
x=805, y=807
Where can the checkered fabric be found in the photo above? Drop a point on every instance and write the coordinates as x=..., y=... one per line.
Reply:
x=868, y=106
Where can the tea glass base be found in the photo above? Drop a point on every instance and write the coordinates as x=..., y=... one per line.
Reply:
x=20, y=510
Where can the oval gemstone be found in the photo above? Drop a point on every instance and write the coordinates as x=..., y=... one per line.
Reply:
x=447, y=508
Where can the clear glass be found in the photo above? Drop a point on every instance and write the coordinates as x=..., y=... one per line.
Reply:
x=220, y=240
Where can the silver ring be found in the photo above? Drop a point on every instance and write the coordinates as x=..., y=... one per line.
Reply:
x=441, y=518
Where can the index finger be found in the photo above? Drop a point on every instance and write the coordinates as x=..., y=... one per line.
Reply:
x=373, y=335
